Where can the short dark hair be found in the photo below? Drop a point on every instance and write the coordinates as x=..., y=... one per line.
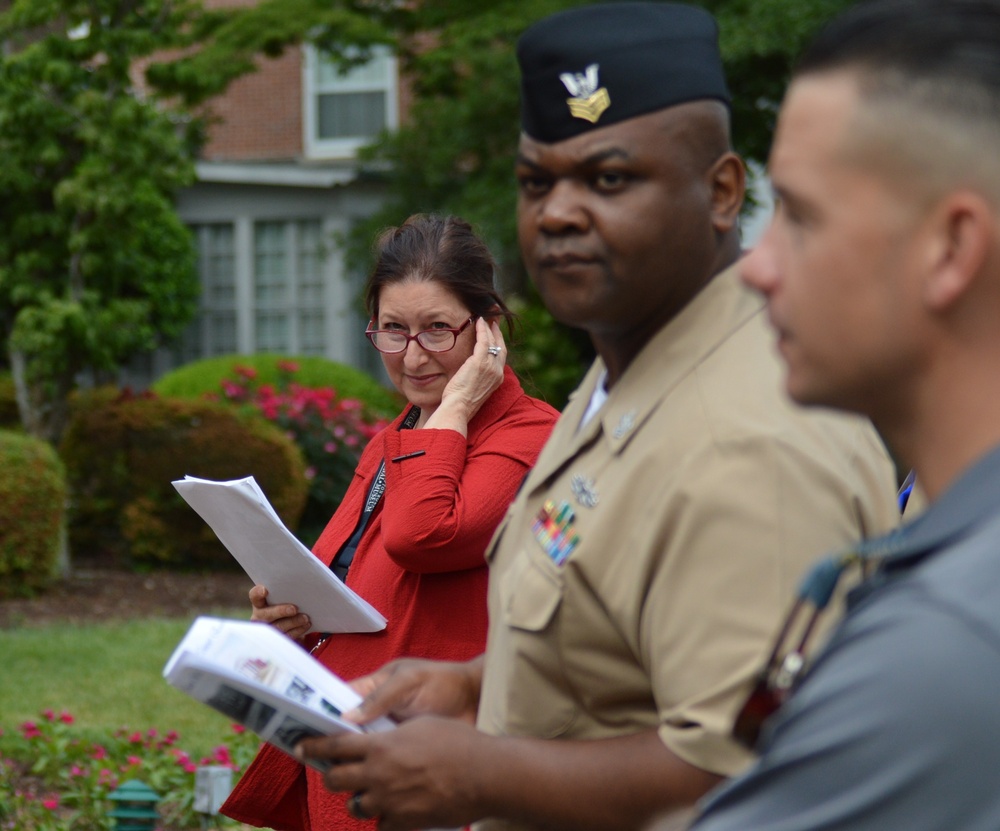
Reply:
x=892, y=43
x=439, y=249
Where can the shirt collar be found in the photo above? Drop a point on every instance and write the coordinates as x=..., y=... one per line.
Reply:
x=967, y=502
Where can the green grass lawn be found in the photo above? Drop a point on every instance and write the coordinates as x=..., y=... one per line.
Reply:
x=107, y=676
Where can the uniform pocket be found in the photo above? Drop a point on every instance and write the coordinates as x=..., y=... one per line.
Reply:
x=530, y=595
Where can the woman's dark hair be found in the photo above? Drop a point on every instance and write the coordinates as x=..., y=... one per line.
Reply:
x=440, y=249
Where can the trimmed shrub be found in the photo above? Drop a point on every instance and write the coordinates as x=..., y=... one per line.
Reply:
x=32, y=513
x=122, y=452
x=330, y=431
x=194, y=380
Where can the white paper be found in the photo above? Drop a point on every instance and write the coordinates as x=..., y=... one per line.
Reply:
x=258, y=677
x=243, y=519
x=263, y=680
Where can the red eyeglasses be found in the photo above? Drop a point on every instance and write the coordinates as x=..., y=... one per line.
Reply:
x=391, y=341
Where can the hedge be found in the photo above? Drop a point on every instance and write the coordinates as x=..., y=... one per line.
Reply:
x=32, y=513
x=194, y=380
x=122, y=453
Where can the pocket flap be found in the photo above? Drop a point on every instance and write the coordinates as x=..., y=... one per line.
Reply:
x=530, y=595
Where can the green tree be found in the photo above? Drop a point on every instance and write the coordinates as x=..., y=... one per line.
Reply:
x=95, y=265
x=455, y=154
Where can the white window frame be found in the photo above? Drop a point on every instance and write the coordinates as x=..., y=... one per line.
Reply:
x=290, y=306
x=345, y=148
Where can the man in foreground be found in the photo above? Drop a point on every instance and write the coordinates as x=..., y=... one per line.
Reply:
x=638, y=578
x=882, y=276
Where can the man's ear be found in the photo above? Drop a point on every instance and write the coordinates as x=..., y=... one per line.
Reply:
x=727, y=178
x=963, y=235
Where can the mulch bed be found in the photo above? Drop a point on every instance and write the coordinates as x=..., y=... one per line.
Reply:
x=95, y=594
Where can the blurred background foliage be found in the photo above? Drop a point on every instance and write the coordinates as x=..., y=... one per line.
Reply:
x=455, y=154
x=102, y=119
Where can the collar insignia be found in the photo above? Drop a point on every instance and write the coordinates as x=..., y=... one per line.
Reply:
x=587, y=101
x=625, y=424
x=584, y=491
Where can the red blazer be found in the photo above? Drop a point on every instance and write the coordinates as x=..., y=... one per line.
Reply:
x=420, y=563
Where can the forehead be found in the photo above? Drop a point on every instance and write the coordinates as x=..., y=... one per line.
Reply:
x=417, y=297
x=814, y=125
x=637, y=138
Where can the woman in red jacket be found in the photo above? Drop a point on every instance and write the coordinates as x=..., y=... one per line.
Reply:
x=427, y=494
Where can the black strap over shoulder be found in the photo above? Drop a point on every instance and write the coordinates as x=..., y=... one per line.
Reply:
x=342, y=561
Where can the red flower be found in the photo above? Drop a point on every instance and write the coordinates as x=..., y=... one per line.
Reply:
x=30, y=730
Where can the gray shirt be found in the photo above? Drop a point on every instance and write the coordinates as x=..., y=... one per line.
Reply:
x=897, y=725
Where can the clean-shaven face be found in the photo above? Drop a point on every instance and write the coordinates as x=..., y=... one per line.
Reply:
x=837, y=264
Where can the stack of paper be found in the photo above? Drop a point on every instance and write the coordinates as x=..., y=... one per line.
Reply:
x=243, y=519
x=258, y=677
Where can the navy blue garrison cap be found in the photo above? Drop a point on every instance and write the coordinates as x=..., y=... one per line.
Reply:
x=592, y=66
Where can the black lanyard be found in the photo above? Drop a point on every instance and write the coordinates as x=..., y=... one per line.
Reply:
x=342, y=562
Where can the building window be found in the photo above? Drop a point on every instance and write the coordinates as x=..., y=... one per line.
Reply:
x=213, y=331
x=283, y=286
x=289, y=290
x=346, y=110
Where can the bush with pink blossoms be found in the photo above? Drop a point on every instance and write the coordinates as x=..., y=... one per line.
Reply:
x=53, y=778
x=330, y=431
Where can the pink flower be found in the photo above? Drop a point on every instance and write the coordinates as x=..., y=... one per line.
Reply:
x=190, y=767
x=231, y=390
x=239, y=728
x=76, y=771
x=49, y=715
x=99, y=753
x=52, y=803
x=65, y=717
x=287, y=366
x=134, y=760
x=135, y=738
x=30, y=730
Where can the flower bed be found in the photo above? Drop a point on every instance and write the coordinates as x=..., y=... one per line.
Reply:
x=54, y=778
x=331, y=432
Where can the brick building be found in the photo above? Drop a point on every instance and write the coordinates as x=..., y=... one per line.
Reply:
x=276, y=185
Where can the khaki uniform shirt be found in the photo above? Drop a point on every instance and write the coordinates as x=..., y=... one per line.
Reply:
x=639, y=578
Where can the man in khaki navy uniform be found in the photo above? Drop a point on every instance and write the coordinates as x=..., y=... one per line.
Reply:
x=640, y=576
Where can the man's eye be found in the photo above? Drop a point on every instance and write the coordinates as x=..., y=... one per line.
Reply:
x=610, y=180
x=533, y=185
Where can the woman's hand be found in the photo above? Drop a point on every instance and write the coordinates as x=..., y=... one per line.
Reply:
x=284, y=617
x=474, y=382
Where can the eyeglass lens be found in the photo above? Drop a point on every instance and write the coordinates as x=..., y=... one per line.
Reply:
x=433, y=340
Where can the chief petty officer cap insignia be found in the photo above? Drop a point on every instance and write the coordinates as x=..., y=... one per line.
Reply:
x=616, y=61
